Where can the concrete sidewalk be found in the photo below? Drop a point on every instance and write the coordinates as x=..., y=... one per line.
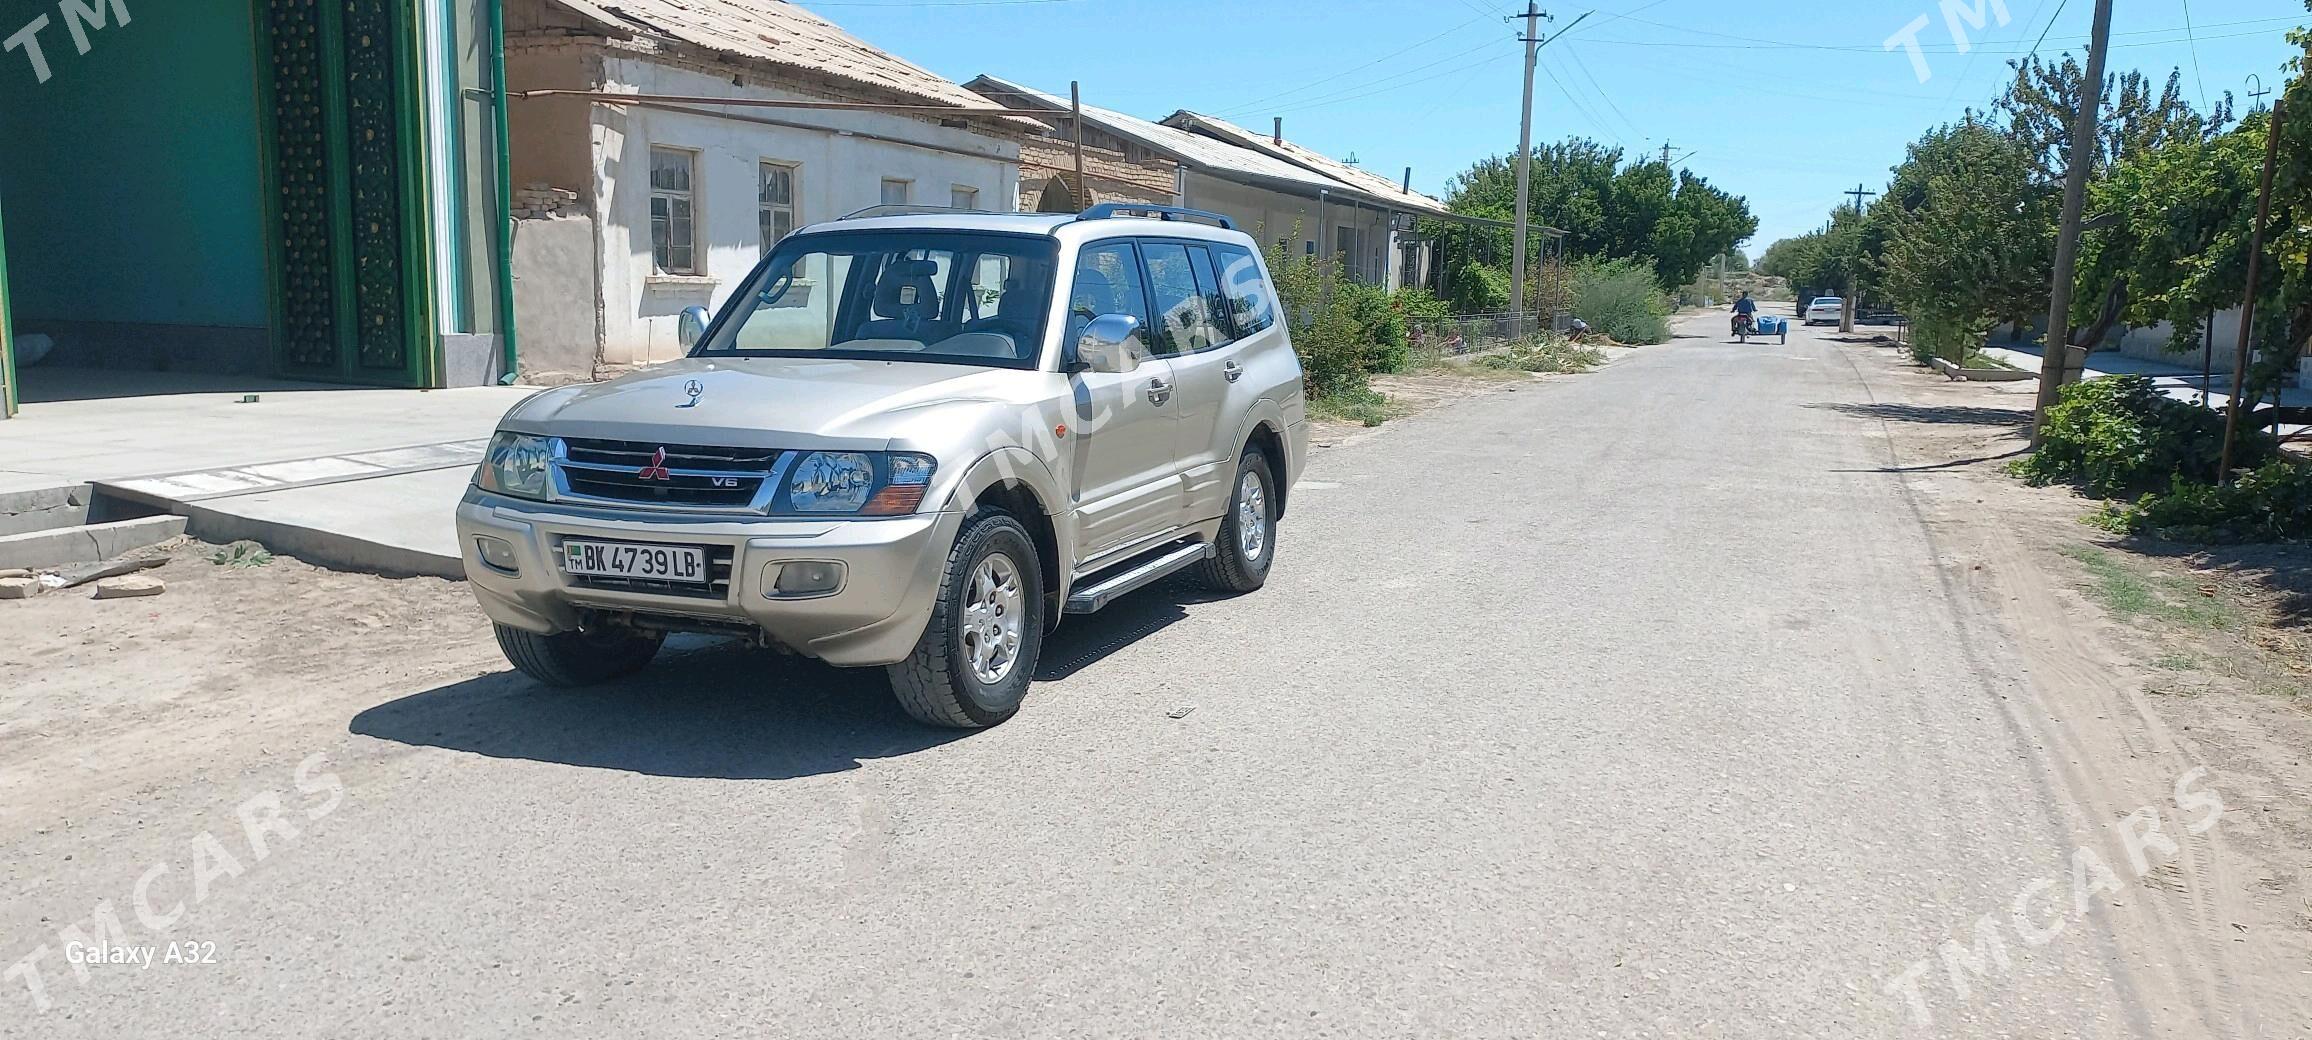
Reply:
x=2177, y=381
x=354, y=478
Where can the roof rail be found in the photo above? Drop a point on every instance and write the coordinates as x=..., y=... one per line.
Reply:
x=906, y=210
x=1105, y=210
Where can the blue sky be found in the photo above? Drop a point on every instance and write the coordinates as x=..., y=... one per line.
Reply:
x=1787, y=104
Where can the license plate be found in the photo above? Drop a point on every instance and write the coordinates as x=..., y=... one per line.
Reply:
x=627, y=560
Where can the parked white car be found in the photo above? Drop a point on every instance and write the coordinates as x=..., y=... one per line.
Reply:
x=1825, y=309
x=910, y=441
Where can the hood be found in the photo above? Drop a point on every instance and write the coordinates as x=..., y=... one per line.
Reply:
x=763, y=402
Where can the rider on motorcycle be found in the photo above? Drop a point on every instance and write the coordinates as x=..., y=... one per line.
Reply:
x=1745, y=311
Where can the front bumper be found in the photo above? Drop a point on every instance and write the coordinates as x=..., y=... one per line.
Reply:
x=892, y=570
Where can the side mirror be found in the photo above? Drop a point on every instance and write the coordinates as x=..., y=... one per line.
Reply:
x=1112, y=343
x=691, y=327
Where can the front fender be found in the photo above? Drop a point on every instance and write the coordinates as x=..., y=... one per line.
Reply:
x=1017, y=465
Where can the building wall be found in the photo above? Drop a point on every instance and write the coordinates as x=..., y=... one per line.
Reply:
x=551, y=138
x=836, y=175
x=2151, y=343
x=134, y=188
x=1270, y=216
x=1110, y=176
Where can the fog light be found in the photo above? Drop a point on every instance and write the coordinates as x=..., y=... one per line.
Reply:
x=498, y=553
x=807, y=578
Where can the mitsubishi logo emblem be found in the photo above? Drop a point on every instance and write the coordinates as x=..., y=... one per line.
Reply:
x=656, y=469
x=695, y=389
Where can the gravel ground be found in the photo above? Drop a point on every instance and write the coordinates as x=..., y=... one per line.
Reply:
x=1671, y=700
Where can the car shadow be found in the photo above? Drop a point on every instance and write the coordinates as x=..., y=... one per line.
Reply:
x=721, y=710
x=1088, y=639
x=709, y=709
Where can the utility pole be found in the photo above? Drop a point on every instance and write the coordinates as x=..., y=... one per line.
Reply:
x=1847, y=303
x=1533, y=16
x=1076, y=106
x=1665, y=153
x=2055, y=364
x=2248, y=304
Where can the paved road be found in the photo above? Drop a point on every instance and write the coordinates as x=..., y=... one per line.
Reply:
x=1622, y=706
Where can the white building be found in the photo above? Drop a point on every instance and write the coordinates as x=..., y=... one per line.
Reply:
x=640, y=195
x=1282, y=194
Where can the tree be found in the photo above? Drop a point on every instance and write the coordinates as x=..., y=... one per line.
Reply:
x=2042, y=96
x=1968, y=231
x=1677, y=221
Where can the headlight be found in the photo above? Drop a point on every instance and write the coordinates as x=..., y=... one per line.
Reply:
x=870, y=484
x=516, y=465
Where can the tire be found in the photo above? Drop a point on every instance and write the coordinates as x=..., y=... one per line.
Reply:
x=1240, y=564
x=945, y=682
x=582, y=658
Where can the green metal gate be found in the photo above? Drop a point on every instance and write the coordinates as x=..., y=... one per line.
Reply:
x=346, y=207
x=7, y=339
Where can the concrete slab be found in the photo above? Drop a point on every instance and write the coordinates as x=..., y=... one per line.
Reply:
x=88, y=543
x=400, y=526
x=43, y=509
x=74, y=441
x=177, y=488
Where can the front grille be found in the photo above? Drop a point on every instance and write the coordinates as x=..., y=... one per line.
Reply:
x=696, y=475
x=718, y=586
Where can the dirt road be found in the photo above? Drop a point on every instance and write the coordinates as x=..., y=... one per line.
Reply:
x=1711, y=694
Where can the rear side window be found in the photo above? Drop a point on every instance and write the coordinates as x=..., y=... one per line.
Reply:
x=1251, y=307
x=1183, y=319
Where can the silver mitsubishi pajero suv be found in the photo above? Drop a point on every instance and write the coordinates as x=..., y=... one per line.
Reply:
x=912, y=440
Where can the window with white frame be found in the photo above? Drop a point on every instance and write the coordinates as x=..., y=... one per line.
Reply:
x=673, y=173
x=897, y=192
x=776, y=205
x=963, y=197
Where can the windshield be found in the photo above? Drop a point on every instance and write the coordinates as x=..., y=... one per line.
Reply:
x=955, y=297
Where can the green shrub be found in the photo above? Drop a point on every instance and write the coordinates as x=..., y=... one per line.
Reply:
x=1344, y=330
x=1620, y=299
x=2272, y=503
x=2119, y=435
x=1379, y=323
x=1419, y=304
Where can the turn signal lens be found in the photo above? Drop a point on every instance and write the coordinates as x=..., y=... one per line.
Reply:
x=910, y=475
x=896, y=500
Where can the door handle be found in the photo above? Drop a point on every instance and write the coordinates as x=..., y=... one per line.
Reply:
x=1232, y=370
x=1159, y=392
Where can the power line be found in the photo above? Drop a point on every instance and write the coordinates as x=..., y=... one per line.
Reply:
x=1977, y=52
x=1843, y=48
x=2196, y=78
x=2048, y=27
x=1630, y=15
x=1351, y=93
x=1583, y=110
x=1376, y=61
x=932, y=3
x=1583, y=68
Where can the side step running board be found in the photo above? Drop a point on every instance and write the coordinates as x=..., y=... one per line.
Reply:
x=1087, y=599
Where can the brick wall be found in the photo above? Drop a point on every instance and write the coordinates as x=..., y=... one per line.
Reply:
x=1110, y=176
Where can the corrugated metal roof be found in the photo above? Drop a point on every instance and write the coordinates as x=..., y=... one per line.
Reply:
x=1371, y=183
x=1195, y=151
x=778, y=33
